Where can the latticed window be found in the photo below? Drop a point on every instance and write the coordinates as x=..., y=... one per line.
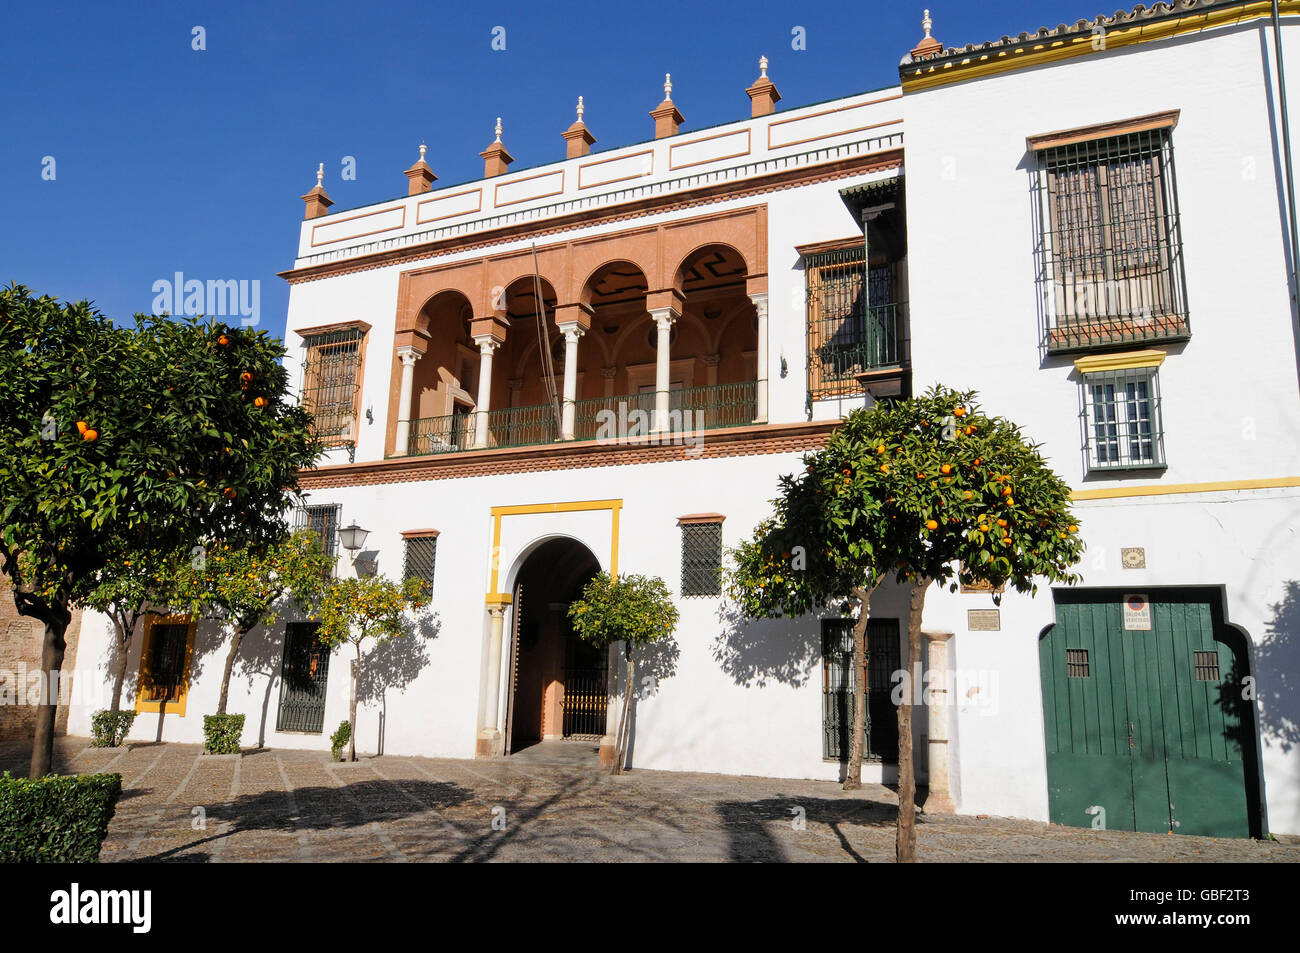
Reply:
x=1111, y=248
x=418, y=557
x=331, y=387
x=701, y=558
x=884, y=658
x=1076, y=663
x=1207, y=666
x=1121, y=419
x=845, y=337
x=322, y=520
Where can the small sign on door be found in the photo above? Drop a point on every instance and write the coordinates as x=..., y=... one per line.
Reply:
x=1137, y=613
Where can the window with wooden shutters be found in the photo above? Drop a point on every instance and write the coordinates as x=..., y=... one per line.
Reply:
x=331, y=387
x=701, y=556
x=164, y=664
x=418, y=556
x=1110, y=253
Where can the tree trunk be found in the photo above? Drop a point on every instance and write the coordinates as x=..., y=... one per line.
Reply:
x=352, y=706
x=230, y=665
x=853, y=773
x=905, y=842
x=52, y=649
x=123, y=640
x=625, y=716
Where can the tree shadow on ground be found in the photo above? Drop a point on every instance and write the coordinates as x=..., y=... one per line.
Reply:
x=322, y=808
x=756, y=652
x=749, y=824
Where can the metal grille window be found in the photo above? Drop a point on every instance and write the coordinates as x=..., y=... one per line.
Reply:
x=1207, y=666
x=884, y=658
x=702, y=558
x=1122, y=427
x=418, y=559
x=304, y=675
x=1076, y=663
x=165, y=669
x=1111, y=248
x=323, y=521
x=331, y=388
x=845, y=338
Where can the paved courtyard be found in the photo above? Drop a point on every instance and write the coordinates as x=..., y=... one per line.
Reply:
x=275, y=805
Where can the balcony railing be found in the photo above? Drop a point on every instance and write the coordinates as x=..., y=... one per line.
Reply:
x=843, y=347
x=612, y=418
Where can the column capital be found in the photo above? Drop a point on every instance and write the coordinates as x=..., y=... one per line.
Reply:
x=664, y=318
x=487, y=343
x=409, y=355
x=936, y=635
x=760, y=302
x=572, y=331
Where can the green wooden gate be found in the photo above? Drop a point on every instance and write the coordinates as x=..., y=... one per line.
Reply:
x=304, y=673
x=1148, y=725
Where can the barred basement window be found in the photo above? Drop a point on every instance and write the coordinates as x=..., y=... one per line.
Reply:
x=1122, y=426
x=844, y=340
x=702, y=558
x=331, y=388
x=418, y=558
x=1207, y=666
x=1111, y=246
x=1076, y=663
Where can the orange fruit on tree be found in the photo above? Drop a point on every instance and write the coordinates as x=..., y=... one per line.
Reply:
x=959, y=412
x=223, y=340
x=261, y=402
x=884, y=468
x=880, y=449
x=1074, y=528
x=228, y=493
x=246, y=377
x=931, y=524
x=946, y=468
x=81, y=426
x=966, y=495
x=89, y=434
x=984, y=527
x=1002, y=523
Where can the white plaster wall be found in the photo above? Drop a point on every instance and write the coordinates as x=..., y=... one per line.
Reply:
x=1229, y=395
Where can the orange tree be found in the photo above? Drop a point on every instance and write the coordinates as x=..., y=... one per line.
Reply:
x=353, y=610
x=250, y=585
x=929, y=491
x=116, y=439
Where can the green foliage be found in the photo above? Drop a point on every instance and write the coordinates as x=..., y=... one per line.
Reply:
x=108, y=729
x=221, y=733
x=632, y=609
x=182, y=451
x=352, y=610
x=339, y=740
x=246, y=585
x=919, y=489
x=56, y=819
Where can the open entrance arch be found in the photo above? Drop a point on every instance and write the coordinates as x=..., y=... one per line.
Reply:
x=558, y=684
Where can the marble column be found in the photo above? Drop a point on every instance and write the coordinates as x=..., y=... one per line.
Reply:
x=571, y=332
x=490, y=740
x=664, y=319
x=939, y=707
x=486, y=345
x=408, y=356
x=760, y=390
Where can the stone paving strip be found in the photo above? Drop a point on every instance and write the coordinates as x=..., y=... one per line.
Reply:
x=179, y=805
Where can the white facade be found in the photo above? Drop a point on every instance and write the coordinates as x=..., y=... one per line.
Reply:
x=751, y=702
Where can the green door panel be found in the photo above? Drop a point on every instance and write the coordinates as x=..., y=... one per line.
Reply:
x=1078, y=784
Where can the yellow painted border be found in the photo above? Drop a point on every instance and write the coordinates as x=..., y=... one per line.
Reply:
x=978, y=64
x=496, y=598
x=177, y=707
x=1096, y=363
x=1167, y=489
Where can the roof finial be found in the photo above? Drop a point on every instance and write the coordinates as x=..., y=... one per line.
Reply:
x=498, y=130
x=581, y=109
x=423, y=147
x=927, y=24
x=668, y=86
x=320, y=175
x=762, y=67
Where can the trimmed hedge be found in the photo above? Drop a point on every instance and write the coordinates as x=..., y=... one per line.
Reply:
x=221, y=733
x=56, y=819
x=108, y=729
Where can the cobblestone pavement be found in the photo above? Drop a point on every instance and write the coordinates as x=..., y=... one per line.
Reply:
x=273, y=805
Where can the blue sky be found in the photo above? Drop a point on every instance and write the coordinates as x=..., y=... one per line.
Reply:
x=170, y=159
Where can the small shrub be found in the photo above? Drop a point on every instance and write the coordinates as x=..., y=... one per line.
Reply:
x=56, y=819
x=108, y=729
x=221, y=733
x=340, y=739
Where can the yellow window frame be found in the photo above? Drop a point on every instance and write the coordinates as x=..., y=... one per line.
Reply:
x=177, y=707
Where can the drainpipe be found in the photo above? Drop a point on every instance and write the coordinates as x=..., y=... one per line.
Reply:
x=1286, y=152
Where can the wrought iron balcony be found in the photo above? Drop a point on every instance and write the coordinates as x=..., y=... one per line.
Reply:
x=690, y=410
x=844, y=348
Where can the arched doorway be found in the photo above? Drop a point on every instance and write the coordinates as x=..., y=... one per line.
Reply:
x=557, y=682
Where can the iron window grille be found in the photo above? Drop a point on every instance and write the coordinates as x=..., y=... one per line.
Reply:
x=322, y=520
x=1076, y=663
x=702, y=559
x=331, y=388
x=304, y=675
x=418, y=559
x=1207, y=666
x=1110, y=254
x=166, y=668
x=845, y=337
x=1121, y=419
x=884, y=658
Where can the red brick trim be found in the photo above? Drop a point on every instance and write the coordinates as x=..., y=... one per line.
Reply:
x=735, y=442
x=755, y=185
